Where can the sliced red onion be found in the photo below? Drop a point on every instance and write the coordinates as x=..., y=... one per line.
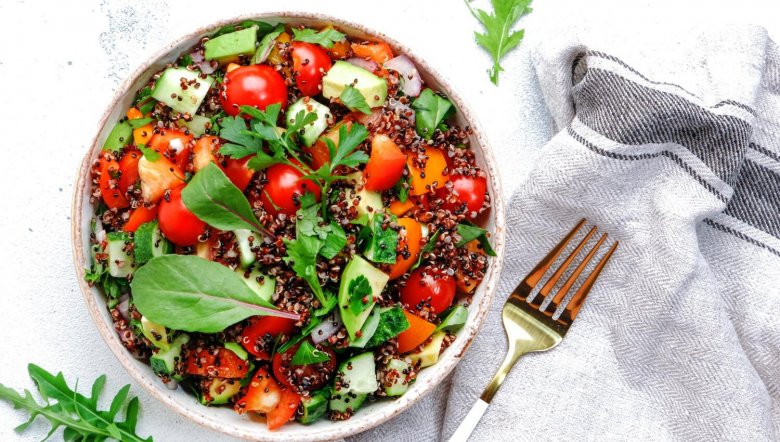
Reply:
x=124, y=307
x=368, y=65
x=206, y=67
x=401, y=109
x=371, y=118
x=196, y=56
x=412, y=83
x=327, y=328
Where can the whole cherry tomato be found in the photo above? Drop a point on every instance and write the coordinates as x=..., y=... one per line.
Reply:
x=428, y=286
x=177, y=223
x=285, y=188
x=261, y=326
x=466, y=190
x=316, y=375
x=386, y=164
x=257, y=85
x=310, y=63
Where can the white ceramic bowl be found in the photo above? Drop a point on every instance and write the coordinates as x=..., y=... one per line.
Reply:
x=224, y=419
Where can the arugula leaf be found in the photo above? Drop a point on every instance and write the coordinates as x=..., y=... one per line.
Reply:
x=354, y=100
x=307, y=355
x=427, y=249
x=234, y=129
x=498, y=38
x=189, y=293
x=150, y=154
x=325, y=37
x=359, y=288
x=139, y=122
x=76, y=413
x=431, y=109
x=469, y=232
x=213, y=198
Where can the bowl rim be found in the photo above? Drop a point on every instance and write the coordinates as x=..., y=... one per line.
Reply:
x=343, y=428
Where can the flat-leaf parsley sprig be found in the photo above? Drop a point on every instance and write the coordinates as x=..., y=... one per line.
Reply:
x=498, y=38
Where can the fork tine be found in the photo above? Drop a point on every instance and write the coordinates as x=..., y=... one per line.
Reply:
x=536, y=274
x=574, y=305
x=558, y=273
x=576, y=273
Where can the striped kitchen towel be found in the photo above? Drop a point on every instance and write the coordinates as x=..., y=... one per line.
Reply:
x=671, y=143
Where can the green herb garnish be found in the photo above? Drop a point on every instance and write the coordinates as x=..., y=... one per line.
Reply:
x=360, y=294
x=149, y=153
x=469, y=232
x=354, y=100
x=307, y=355
x=427, y=248
x=499, y=38
x=77, y=414
x=325, y=37
x=431, y=109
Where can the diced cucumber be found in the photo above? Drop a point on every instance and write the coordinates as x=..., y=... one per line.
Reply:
x=168, y=89
x=229, y=47
x=120, y=261
x=312, y=131
x=347, y=402
x=399, y=369
x=220, y=391
x=454, y=318
x=149, y=242
x=429, y=354
x=263, y=285
x=247, y=256
x=237, y=349
x=314, y=406
x=120, y=136
x=197, y=125
x=368, y=330
x=343, y=74
x=164, y=361
x=156, y=334
x=358, y=374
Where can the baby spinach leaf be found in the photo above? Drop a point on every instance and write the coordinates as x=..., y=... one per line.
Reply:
x=427, y=248
x=325, y=37
x=469, y=232
x=218, y=202
x=307, y=354
x=431, y=109
x=186, y=292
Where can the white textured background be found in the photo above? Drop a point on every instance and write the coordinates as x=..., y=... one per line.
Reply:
x=60, y=63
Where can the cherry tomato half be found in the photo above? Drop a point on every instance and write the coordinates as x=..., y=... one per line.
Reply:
x=386, y=164
x=316, y=375
x=465, y=190
x=177, y=223
x=310, y=62
x=238, y=172
x=225, y=364
x=113, y=196
x=285, y=188
x=428, y=286
x=261, y=327
x=257, y=85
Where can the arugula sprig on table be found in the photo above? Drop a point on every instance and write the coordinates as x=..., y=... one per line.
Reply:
x=77, y=414
x=498, y=38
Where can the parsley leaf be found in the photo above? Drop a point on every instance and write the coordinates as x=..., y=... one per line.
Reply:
x=236, y=150
x=427, y=249
x=334, y=242
x=469, y=232
x=149, y=153
x=307, y=355
x=354, y=100
x=498, y=38
x=359, y=289
x=234, y=130
x=302, y=257
x=431, y=109
x=325, y=37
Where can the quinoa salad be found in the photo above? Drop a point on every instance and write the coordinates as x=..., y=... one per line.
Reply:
x=288, y=222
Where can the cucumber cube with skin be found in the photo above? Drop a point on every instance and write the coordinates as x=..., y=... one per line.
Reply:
x=120, y=262
x=169, y=90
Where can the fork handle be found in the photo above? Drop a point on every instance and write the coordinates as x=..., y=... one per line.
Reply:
x=471, y=420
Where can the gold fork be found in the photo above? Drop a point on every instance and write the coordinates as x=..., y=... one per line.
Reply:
x=531, y=328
